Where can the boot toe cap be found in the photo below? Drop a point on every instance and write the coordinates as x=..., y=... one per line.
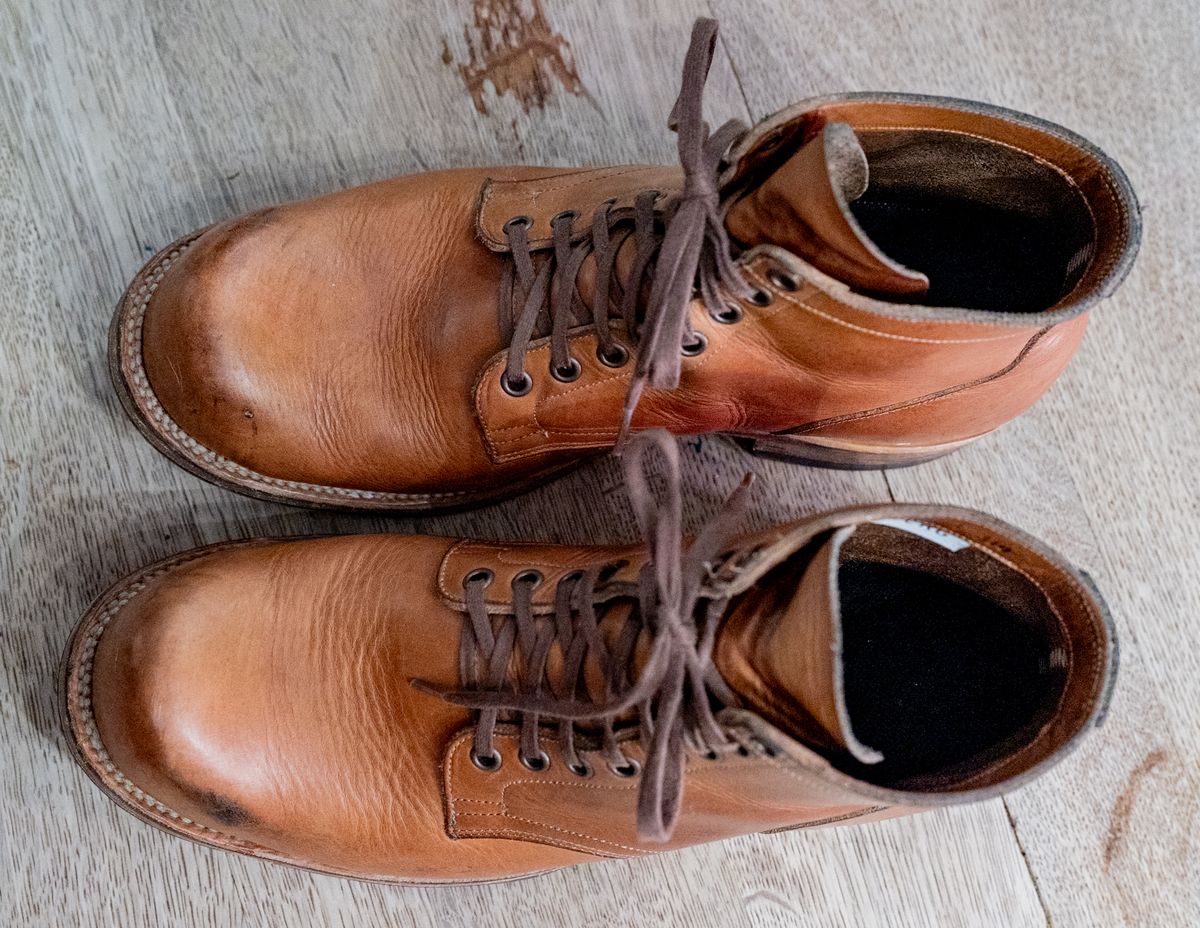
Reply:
x=137, y=675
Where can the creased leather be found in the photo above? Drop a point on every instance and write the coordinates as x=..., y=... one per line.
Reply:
x=351, y=340
x=262, y=693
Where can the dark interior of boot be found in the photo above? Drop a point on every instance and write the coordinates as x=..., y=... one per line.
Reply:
x=936, y=675
x=992, y=227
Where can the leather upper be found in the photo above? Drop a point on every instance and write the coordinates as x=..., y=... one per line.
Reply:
x=352, y=340
x=260, y=697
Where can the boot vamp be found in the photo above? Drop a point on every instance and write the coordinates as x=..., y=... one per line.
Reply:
x=263, y=694
x=336, y=341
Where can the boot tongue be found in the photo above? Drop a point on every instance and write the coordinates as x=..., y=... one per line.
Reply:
x=804, y=206
x=780, y=657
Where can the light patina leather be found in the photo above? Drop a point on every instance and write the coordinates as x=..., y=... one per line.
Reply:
x=345, y=349
x=292, y=700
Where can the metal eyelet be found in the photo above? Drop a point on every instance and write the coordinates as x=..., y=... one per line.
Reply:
x=615, y=356
x=695, y=346
x=710, y=754
x=761, y=298
x=568, y=215
x=479, y=575
x=539, y=762
x=630, y=768
x=532, y=577
x=730, y=314
x=488, y=763
x=782, y=280
x=568, y=372
x=743, y=751
x=518, y=222
x=581, y=770
x=519, y=388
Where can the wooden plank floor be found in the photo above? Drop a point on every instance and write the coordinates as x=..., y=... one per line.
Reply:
x=125, y=123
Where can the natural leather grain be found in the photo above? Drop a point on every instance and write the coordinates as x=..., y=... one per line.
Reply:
x=260, y=697
x=346, y=349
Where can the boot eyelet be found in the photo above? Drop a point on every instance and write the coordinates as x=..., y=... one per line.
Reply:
x=743, y=751
x=615, y=356
x=782, y=280
x=532, y=577
x=539, y=762
x=568, y=372
x=630, y=768
x=761, y=298
x=566, y=215
x=731, y=313
x=580, y=770
x=518, y=387
x=518, y=222
x=695, y=346
x=479, y=575
x=488, y=763
x=710, y=754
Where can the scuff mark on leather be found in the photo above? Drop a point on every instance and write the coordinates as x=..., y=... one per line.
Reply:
x=226, y=811
x=513, y=47
x=1118, y=823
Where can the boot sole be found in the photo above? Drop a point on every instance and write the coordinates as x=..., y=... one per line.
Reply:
x=87, y=750
x=840, y=455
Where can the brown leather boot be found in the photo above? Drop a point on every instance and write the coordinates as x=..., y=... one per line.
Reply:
x=862, y=280
x=419, y=709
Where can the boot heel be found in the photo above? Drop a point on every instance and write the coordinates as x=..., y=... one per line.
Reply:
x=820, y=453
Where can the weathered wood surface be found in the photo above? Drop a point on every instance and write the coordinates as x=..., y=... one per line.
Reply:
x=126, y=123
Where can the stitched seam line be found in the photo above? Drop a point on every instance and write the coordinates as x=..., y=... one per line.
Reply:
x=591, y=174
x=504, y=556
x=879, y=334
x=563, y=831
x=543, y=839
x=581, y=434
x=922, y=400
x=454, y=813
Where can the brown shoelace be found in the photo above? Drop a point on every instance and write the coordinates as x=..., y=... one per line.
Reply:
x=673, y=606
x=680, y=245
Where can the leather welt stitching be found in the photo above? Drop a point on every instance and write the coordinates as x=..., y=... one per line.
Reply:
x=82, y=674
x=921, y=400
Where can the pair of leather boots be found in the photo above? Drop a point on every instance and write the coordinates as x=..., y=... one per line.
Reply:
x=865, y=280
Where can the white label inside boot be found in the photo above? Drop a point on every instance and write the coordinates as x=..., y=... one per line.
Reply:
x=929, y=532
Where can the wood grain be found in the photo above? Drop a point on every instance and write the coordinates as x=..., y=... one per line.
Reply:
x=127, y=123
